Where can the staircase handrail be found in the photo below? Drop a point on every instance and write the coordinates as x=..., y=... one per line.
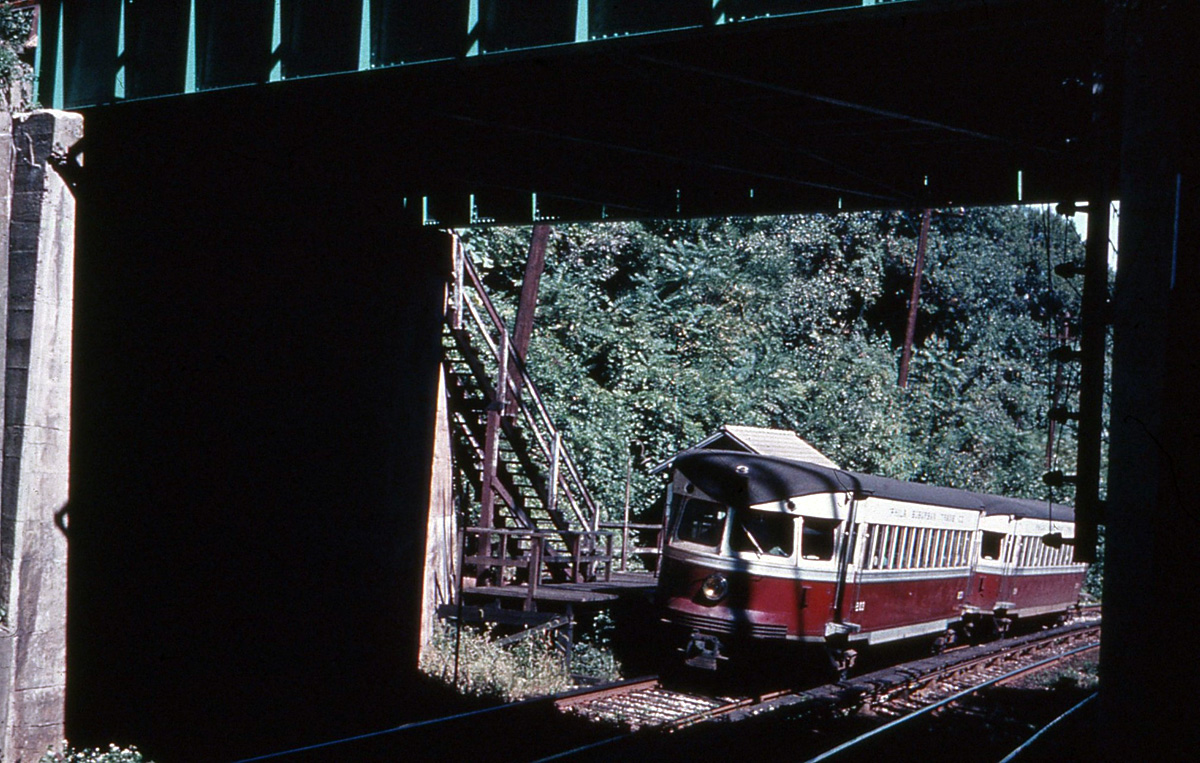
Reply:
x=568, y=478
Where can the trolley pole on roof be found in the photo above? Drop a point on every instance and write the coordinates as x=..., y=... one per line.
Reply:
x=918, y=272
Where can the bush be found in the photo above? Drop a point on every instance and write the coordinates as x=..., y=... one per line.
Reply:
x=113, y=754
x=595, y=661
x=16, y=25
x=528, y=668
x=592, y=656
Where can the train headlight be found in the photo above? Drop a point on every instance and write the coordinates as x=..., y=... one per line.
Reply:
x=715, y=587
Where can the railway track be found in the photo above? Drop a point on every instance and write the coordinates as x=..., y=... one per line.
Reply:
x=644, y=718
x=872, y=699
x=646, y=703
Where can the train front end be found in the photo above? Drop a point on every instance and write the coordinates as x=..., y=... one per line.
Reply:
x=750, y=562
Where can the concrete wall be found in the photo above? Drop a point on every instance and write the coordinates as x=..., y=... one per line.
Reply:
x=37, y=427
x=256, y=366
x=441, y=529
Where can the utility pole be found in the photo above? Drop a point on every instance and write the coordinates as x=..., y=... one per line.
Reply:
x=918, y=272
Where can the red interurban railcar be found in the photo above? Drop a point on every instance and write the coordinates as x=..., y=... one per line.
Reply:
x=762, y=550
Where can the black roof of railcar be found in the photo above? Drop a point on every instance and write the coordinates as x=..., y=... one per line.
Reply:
x=743, y=479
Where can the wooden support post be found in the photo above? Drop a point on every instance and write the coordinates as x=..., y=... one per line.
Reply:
x=459, y=254
x=625, y=523
x=535, y=572
x=491, y=449
x=523, y=328
x=555, y=452
x=534, y=266
x=577, y=575
x=608, y=570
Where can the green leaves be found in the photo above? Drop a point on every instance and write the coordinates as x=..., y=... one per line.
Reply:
x=649, y=336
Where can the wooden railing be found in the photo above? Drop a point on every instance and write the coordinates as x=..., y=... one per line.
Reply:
x=517, y=393
x=503, y=557
x=629, y=549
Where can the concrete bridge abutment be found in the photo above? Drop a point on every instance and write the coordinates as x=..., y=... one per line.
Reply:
x=36, y=315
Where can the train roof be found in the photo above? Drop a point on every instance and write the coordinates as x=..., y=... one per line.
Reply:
x=743, y=479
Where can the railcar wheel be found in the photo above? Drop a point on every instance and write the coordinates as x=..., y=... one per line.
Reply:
x=1000, y=626
x=944, y=641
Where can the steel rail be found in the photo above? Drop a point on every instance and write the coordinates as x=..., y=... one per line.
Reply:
x=1033, y=739
x=943, y=703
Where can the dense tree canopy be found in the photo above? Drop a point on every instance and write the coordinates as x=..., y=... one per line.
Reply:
x=649, y=336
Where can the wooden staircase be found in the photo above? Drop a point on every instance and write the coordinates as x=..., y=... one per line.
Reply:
x=533, y=520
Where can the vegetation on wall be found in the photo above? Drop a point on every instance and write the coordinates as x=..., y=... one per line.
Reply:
x=651, y=335
x=16, y=26
x=114, y=754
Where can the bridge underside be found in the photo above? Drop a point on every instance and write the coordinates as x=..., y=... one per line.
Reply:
x=923, y=103
x=258, y=307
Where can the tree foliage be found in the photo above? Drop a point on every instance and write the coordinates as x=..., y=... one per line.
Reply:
x=16, y=25
x=651, y=335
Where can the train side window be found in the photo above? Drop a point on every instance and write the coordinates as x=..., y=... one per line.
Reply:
x=761, y=532
x=870, y=545
x=989, y=546
x=818, y=538
x=888, y=547
x=702, y=522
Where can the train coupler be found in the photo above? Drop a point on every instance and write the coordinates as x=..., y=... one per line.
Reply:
x=703, y=652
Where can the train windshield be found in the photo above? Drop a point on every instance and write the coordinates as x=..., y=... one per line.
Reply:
x=702, y=522
x=765, y=533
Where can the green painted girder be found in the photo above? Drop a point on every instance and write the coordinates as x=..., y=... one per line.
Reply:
x=96, y=52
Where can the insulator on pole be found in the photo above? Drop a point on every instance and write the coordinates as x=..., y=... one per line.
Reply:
x=1068, y=269
x=1068, y=208
x=1057, y=479
x=1064, y=354
x=1056, y=540
x=1061, y=414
